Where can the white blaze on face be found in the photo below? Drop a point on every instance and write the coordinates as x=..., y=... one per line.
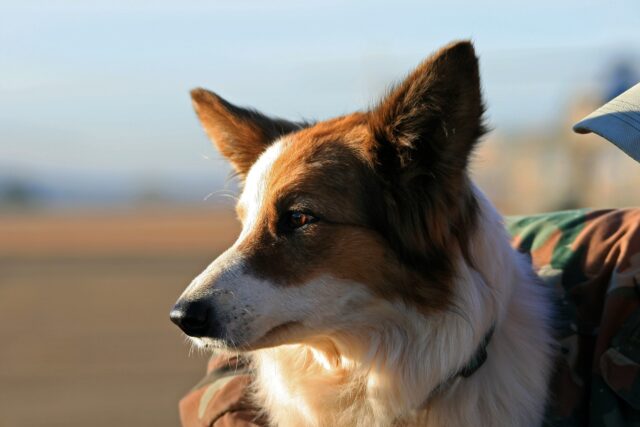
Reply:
x=254, y=192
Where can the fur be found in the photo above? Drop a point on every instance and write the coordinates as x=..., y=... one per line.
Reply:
x=362, y=313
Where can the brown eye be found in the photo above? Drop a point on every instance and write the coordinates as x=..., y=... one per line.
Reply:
x=293, y=220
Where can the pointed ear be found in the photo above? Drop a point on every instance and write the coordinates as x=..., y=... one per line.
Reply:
x=430, y=122
x=240, y=134
x=423, y=133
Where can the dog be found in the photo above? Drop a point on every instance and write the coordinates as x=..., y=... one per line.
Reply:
x=372, y=283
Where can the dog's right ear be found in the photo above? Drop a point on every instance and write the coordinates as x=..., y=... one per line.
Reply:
x=240, y=134
x=432, y=120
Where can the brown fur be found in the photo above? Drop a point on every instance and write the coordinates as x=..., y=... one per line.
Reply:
x=426, y=129
x=389, y=186
x=240, y=134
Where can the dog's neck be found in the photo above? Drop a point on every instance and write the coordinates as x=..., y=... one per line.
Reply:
x=385, y=376
x=479, y=358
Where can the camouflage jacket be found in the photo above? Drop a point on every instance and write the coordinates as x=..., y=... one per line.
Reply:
x=591, y=261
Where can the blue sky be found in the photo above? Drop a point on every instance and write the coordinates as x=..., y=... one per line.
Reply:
x=94, y=93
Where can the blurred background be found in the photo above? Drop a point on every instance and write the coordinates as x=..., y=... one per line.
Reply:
x=112, y=199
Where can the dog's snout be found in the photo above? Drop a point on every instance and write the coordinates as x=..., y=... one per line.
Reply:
x=192, y=317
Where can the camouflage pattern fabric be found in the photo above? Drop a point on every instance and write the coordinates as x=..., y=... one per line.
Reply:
x=219, y=399
x=590, y=260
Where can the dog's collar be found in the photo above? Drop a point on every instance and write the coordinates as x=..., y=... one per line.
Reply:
x=479, y=357
x=476, y=361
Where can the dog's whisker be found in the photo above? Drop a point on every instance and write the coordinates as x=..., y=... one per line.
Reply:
x=223, y=194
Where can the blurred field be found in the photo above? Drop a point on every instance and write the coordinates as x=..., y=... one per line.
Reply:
x=84, y=302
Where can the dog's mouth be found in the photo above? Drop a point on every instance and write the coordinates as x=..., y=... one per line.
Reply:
x=284, y=333
x=278, y=335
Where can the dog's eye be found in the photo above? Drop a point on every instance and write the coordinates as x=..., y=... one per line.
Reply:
x=293, y=220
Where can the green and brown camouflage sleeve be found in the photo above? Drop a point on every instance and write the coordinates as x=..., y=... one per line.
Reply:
x=590, y=259
x=220, y=398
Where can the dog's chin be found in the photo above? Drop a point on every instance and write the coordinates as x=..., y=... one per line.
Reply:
x=285, y=333
x=211, y=344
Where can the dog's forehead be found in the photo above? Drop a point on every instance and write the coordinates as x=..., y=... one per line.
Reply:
x=326, y=148
x=322, y=164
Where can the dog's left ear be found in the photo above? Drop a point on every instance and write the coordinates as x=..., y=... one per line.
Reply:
x=240, y=134
x=431, y=121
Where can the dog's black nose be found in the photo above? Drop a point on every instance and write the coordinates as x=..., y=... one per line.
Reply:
x=191, y=317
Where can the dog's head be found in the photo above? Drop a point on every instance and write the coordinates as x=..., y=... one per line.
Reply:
x=343, y=217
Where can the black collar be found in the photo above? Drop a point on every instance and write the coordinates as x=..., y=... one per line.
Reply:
x=476, y=361
x=479, y=357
